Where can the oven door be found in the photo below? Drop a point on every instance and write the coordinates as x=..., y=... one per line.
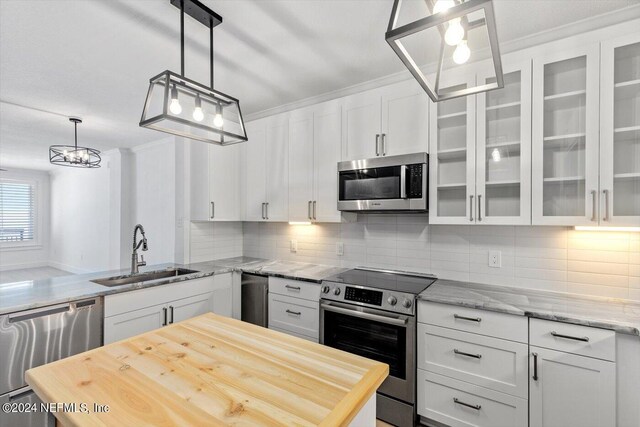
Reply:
x=375, y=334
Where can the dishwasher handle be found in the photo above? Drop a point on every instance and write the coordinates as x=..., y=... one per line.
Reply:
x=38, y=312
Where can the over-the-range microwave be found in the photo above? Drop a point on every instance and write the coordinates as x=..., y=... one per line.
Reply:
x=384, y=184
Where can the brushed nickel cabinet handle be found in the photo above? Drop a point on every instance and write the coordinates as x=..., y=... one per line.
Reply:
x=309, y=210
x=462, y=353
x=384, y=144
x=164, y=313
x=472, y=319
x=569, y=337
x=535, y=366
x=295, y=313
x=471, y=208
x=377, y=144
x=171, y=311
x=266, y=205
x=468, y=405
x=263, y=211
x=295, y=288
x=314, y=210
x=479, y=207
x=213, y=210
x=605, y=217
x=593, y=205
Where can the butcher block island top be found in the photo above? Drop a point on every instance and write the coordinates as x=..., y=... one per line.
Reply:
x=208, y=371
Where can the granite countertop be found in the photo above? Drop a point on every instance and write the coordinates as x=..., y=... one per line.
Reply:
x=608, y=313
x=38, y=293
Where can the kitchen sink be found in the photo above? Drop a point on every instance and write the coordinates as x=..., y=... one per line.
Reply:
x=143, y=277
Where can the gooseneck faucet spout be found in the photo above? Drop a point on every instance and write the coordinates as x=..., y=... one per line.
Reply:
x=134, y=256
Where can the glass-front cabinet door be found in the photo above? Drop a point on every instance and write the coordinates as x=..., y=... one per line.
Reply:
x=565, y=137
x=452, y=157
x=503, y=148
x=620, y=132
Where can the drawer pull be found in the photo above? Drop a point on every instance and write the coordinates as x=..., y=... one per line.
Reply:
x=472, y=319
x=295, y=288
x=462, y=353
x=569, y=337
x=296, y=313
x=468, y=405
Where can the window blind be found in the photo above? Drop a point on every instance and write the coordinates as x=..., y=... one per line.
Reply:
x=17, y=211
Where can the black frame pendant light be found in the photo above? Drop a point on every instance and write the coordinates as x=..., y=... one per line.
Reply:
x=72, y=155
x=184, y=107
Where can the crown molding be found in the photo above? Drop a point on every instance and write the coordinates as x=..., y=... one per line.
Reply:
x=572, y=29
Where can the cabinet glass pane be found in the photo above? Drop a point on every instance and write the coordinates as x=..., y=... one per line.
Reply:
x=452, y=156
x=626, y=141
x=564, y=153
x=502, y=157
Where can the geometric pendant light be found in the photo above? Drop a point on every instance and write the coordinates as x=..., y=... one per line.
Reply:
x=184, y=107
x=72, y=155
x=437, y=39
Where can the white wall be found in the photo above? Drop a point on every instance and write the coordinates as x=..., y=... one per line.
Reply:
x=548, y=258
x=154, y=198
x=36, y=254
x=80, y=218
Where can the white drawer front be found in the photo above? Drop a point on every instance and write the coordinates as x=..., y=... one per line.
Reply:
x=294, y=288
x=494, y=363
x=499, y=325
x=577, y=339
x=294, y=315
x=444, y=400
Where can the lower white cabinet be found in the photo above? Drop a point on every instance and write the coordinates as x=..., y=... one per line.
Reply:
x=132, y=313
x=457, y=403
x=294, y=307
x=568, y=390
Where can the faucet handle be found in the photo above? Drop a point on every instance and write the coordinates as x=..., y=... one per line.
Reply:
x=142, y=261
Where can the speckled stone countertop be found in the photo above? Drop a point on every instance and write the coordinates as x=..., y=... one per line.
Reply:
x=608, y=313
x=38, y=293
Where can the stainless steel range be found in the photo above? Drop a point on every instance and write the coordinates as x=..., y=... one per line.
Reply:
x=371, y=313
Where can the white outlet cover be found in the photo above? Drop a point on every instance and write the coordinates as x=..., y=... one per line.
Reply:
x=495, y=259
x=340, y=248
x=293, y=245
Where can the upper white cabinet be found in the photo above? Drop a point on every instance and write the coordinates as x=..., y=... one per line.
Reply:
x=565, y=137
x=452, y=157
x=387, y=121
x=314, y=152
x=620, y=132
x=215, y=182
x=266, y=168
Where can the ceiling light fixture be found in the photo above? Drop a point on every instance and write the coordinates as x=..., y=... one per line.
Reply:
x=184, y=107
x=455, y=23
x=72, y=155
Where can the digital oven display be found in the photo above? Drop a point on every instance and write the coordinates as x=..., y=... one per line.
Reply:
x=363, y=295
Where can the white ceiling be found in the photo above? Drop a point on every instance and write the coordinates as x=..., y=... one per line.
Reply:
x=94, y=58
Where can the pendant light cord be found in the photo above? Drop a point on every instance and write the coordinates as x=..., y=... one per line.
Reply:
x=75, y=127
x=182, y=38
x=211, y=49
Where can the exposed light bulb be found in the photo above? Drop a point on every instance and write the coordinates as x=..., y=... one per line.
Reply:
x=218, y=121
x=86, y=155
x=442, y=5
x=462, y=53
x=455, y=32
x=175, y=106
x=198, y=114
x=496, y=155
x=65, y=153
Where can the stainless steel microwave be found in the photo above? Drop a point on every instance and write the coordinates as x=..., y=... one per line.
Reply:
x=384, y=184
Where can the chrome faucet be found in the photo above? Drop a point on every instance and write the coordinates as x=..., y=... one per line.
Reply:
x=134, y=257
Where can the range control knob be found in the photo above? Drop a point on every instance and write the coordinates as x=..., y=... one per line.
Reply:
x=392, y=300
x=325, y=289
x=336, y=291
x=406, y=303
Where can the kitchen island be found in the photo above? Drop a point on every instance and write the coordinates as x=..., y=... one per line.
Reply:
x=212, y=370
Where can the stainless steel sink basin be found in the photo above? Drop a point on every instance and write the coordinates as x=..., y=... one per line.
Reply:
x=143, y=277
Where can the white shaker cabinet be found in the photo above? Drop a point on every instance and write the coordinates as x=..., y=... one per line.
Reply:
x=568, y=390
x=620, y=131
x=565, y=137
x=266, y=168
x=387, y=121
x=301, y=165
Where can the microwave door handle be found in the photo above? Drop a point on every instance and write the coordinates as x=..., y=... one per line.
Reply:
x=403, y=181
x=398, y=321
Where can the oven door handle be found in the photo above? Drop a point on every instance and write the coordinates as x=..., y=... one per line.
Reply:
x=397, y=321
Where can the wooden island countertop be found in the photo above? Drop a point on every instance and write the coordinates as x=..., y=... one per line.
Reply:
x=210, y=371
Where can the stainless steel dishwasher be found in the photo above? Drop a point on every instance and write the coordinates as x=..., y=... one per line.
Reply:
x=254, y=302
x=35, y=337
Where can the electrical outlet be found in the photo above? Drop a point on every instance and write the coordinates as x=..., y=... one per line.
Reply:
x=495, y=259
x=339, y=248
x=293, y=245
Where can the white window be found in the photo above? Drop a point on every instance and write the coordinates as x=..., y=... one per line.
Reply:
x=17, y=212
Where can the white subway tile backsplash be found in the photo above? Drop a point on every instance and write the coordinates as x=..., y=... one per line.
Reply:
x=546, y=258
